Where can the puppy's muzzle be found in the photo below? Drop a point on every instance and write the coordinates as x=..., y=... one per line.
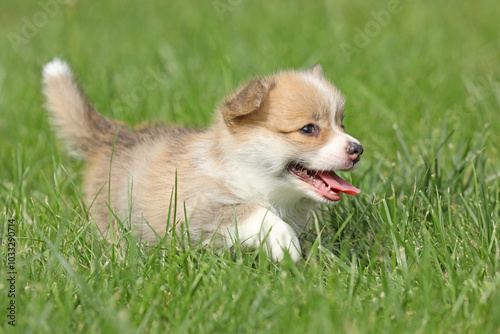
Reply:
x=354, y=150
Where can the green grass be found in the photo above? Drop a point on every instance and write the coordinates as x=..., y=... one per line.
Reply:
x=416, y=252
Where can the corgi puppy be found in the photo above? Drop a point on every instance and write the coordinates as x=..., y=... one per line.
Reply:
x=252, y=177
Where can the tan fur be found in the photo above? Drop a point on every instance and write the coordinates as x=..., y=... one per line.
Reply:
x=214, y=173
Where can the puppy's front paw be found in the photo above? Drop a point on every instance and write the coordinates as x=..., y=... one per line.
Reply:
x=264, y=228
x=281, y=239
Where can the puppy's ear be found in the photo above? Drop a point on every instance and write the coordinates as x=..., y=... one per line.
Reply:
x=246, y=100
x=316, y=70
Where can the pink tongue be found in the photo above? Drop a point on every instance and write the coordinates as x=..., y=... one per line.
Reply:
x=337, y=183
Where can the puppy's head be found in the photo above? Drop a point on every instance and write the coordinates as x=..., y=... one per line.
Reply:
x=288, y=130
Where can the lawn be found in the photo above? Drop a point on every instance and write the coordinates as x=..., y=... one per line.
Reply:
x=416, y=252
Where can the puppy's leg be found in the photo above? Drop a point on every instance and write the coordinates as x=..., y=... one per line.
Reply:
x=262, y=227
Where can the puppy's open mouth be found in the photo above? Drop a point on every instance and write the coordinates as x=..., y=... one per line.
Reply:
x=327, y=184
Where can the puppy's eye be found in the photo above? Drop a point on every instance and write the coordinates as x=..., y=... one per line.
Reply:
x=309, y=129
x=342, y=126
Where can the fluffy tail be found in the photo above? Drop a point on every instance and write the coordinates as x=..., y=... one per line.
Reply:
x=77, y=122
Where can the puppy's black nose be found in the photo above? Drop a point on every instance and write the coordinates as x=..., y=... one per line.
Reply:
x=354, y=150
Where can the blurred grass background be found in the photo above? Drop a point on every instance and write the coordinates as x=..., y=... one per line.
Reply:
x=423, y=97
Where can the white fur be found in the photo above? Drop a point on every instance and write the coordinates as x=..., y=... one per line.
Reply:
x=325, y=90
x=267, y=229
x=332, y=156
x=320, y=85
x=56, y=68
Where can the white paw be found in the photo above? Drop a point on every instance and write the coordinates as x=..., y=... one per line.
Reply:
x=264, y=228
x=281, y=239
x=277, y=252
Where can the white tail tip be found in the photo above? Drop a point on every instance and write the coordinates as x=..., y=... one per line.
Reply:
x=55, y=68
